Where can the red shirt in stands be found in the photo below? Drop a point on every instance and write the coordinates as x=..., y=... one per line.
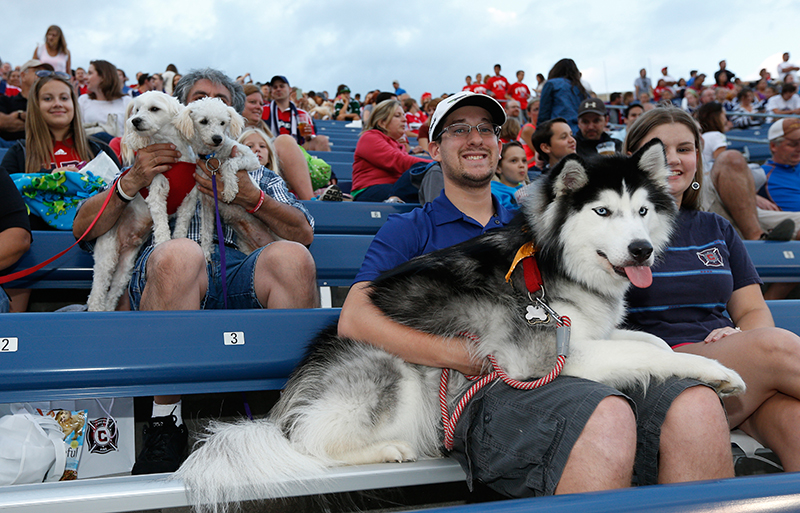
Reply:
x=521, y=93
x=498, y=85
x=64, y=154
x=285, y=119
x=479, y=89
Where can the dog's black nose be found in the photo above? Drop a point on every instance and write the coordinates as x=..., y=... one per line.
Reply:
x=640, y=250
x=217, y=139
x=136, y=122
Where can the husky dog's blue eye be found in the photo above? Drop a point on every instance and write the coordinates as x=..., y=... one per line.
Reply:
x=601, y=211
x=643, y=211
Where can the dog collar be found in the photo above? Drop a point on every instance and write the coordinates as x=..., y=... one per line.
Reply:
x=212, y=162
x=530, y=269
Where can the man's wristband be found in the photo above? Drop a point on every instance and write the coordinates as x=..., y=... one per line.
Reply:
x=120, y=193
x=258, y=205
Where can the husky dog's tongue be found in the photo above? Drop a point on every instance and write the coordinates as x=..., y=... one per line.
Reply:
x=640, y=276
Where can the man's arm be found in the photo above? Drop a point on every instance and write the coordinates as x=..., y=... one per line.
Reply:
x=14, y=242
x=363, y=321
x=13, y=122
x=150, y=161
x=283, y=219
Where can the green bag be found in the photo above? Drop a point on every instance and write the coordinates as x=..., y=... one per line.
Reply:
x=319, y=169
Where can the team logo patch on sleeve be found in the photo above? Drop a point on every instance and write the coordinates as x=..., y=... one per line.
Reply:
x=710, y=257
x=103, y=436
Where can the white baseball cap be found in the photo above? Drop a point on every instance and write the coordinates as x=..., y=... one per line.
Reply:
x=782, y=127
x=464, y=99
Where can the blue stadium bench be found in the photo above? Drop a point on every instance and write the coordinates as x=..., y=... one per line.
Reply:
x=775, y=261
x=66, y=355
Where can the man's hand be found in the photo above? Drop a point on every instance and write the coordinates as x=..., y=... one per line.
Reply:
x=150, y=161
x=248, y=195
x=765, y=204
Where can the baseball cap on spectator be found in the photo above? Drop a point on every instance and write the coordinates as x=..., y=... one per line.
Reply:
x=279, y=78
x=33, y=63
x=464, y=99
x=782, y=127
x=426, y=96
x=594, y=105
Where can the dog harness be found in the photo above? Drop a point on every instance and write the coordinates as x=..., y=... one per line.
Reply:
x=181, y=181
x=539, y=312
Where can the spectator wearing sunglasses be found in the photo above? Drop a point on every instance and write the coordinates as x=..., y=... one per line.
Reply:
x=12, y=108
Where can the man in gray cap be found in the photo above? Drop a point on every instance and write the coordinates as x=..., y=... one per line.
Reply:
x=569, y=436
x=592, y=137
x=13, y=108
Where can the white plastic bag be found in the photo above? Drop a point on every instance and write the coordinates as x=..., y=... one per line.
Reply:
x=32, y=449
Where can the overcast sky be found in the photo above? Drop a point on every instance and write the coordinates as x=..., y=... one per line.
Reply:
x=426, y=45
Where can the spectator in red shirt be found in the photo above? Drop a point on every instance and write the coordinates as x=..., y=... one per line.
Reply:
x=379, y=157
x=288, y=119
x=520, y=91
x=498, y=85
x=467, y=87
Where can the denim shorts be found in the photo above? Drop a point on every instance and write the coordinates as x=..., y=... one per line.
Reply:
x=240, y=278
x=517, y=442
x=5, y=303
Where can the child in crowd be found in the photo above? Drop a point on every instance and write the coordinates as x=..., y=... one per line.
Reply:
x=512, y=172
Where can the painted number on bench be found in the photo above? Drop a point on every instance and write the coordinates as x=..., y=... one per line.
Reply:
x=788, y=255
x=376, y=214
x=8, y=345
x=233, y=338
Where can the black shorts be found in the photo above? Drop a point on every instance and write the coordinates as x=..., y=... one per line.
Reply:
x=517, y=442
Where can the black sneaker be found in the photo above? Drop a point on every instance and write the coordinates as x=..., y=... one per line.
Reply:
x=164, y=446
x=783, y=231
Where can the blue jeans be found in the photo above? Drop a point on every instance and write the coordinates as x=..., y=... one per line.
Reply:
x=240, y=279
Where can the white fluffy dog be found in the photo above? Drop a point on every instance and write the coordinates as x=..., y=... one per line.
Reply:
x=211, y=126
x=151, y=119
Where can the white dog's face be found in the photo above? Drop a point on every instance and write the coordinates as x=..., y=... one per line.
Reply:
x=150, y=119
x=208, y=122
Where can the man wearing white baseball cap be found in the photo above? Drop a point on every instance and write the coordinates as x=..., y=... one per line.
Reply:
x=783, y=169
x=570, y=436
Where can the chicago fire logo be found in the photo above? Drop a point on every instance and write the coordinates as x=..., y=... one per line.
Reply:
x=103, y=436
x=710, y=257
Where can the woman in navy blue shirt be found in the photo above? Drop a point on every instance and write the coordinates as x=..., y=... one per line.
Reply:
x=706, y=271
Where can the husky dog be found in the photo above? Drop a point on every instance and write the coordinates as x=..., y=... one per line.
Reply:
x=151, y=119
x=211, y=127
x=598, y=227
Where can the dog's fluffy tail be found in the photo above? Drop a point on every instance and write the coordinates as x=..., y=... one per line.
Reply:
x=242, y=461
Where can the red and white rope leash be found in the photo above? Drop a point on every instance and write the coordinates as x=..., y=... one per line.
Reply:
x=449, y=422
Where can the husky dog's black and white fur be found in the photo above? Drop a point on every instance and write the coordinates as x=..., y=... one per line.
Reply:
x=598, y=225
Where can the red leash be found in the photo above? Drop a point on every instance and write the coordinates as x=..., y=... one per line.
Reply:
x=25, y=272
x=449, y=422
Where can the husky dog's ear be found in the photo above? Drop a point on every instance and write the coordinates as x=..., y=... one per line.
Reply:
x=652, y=160
x=237, y=123
x=183, y=122
x=570, y=175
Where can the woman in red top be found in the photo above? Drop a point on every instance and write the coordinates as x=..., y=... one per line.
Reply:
x=380, y=158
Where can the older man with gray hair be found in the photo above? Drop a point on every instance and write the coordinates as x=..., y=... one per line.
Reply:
x=175, y=275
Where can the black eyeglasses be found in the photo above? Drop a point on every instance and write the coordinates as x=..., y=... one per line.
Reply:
x=47, y=73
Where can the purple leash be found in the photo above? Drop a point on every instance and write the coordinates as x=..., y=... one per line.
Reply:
x=221, y=242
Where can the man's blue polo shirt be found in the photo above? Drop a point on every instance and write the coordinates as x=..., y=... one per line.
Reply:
x=439, y=224
x=782, y=185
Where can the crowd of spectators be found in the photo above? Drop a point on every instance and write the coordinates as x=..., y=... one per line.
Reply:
x=73, y=113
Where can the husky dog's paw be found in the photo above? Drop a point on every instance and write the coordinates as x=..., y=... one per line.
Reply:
x=726, y=382
x=397, y=452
